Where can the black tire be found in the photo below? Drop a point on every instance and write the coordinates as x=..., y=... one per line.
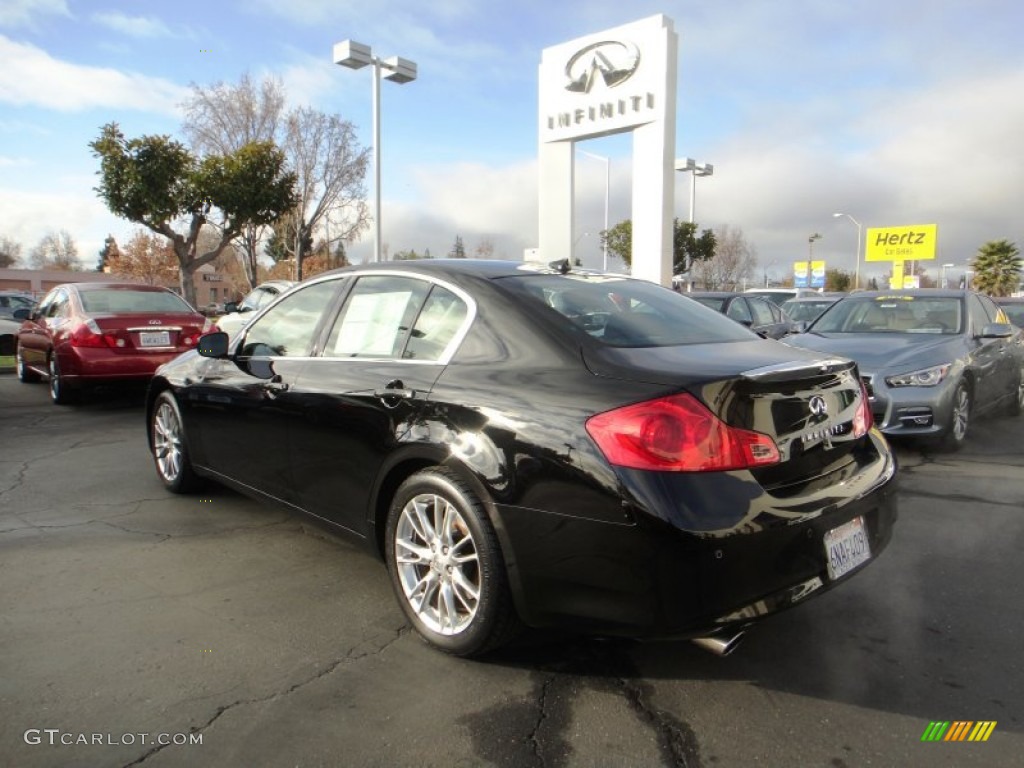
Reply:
x=170, y=446
x=960, y=419
x=25, y=373
x=60, y=393
x=463, y=558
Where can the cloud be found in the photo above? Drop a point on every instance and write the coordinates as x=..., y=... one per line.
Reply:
x=11, y=161
x=30, y=76
x=135, y=26
x=22, y=13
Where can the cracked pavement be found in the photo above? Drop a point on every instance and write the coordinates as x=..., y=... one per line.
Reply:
x=126, y=610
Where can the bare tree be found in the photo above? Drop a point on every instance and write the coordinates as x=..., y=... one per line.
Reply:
x=324, y=154
x=147, y=258
x=222, y=118
x=734, y=261
x=10, y=252
x=56, y=250
x=485, y=250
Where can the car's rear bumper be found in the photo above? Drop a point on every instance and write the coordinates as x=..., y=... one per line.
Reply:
x=87, y=365
x=652, y=578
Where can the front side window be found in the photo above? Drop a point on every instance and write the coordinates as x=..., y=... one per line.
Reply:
x=289, y=329
x=739, y=311
x=762, y=312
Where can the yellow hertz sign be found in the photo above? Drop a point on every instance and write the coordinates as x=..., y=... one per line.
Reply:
x=901, y=243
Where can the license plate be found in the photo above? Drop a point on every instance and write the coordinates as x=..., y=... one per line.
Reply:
x=155, y=339
x=846, y=547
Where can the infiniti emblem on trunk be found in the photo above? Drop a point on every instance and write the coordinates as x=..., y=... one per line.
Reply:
x=155, y=322
x=818, y=405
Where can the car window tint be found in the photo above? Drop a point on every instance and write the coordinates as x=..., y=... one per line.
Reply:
x=898, y=313
x=377, y=317
x=440, y=319
x=288, y=329
x=623, y=312
x=761, y=311
x=1015, y=313
x=739, y=311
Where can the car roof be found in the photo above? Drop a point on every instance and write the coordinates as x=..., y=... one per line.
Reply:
x=482, y=268
x=1008, y=299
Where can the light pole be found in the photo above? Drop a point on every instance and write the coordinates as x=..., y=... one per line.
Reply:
x=856, y=279
x=353, y=55
x=944, y=268
x=607, y=191
x=696, y=169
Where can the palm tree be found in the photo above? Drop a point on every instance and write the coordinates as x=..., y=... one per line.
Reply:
x=997, y=268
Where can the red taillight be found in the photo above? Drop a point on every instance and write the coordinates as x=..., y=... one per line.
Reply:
x=863, y=418
x=677, y=434
x=88, y=334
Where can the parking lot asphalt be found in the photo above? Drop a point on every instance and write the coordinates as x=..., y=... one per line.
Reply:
x=129, y=617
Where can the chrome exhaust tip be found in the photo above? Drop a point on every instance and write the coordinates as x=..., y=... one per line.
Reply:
x=721, y=644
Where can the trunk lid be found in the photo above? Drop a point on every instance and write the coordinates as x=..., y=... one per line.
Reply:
x=806, y=402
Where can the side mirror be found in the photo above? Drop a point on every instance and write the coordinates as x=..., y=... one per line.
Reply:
x=997, y=331
x=23, y=313
x=800, y=326
x=230, y=306
x=213, y=345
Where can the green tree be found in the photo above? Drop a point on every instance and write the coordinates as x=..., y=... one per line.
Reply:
x=997, y=268
x=687, y=247
x=156, y=182
x=838, y=280
x=458, y=250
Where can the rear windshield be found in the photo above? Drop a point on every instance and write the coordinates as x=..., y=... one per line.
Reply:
x=622, y=312
x=893, y=314
x=127, y=301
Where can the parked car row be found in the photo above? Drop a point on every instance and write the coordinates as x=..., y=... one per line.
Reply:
x=534, y=445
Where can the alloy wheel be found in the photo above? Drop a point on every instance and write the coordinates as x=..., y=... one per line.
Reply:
x=437, y=564
x=167, y=446
x=961, y=413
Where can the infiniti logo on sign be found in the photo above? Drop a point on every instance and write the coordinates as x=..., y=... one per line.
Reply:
x=818, y=405
x=613, y=60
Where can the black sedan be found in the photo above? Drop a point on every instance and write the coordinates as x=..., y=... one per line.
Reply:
x=758, y=313
x=932, y=359
x=527, y=445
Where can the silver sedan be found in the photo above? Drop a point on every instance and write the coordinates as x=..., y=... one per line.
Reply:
x=931, y=360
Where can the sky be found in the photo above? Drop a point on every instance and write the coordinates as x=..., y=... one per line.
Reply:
x=897, y=113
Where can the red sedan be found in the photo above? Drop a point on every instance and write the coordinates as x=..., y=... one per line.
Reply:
x=85, y=333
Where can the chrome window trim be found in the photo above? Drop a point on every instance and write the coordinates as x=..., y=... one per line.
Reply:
x=444, y=359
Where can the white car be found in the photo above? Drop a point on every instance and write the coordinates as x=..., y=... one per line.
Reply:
x=238, y=315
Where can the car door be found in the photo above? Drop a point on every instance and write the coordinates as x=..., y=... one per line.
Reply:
x=986, y=355
x=1005, y=383
x=240, y=413
x=363, y=398
x=43, y=331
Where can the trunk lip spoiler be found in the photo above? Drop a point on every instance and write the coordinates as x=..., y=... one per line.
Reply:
x=793, y=369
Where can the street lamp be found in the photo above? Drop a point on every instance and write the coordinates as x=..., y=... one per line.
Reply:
x=944, y=268
x=856, y=279
x=607, y=190
x=696, y=169
x=353, y=55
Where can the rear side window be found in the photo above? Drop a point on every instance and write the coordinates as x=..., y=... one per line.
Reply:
x=762, y=312
x=622, y=312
